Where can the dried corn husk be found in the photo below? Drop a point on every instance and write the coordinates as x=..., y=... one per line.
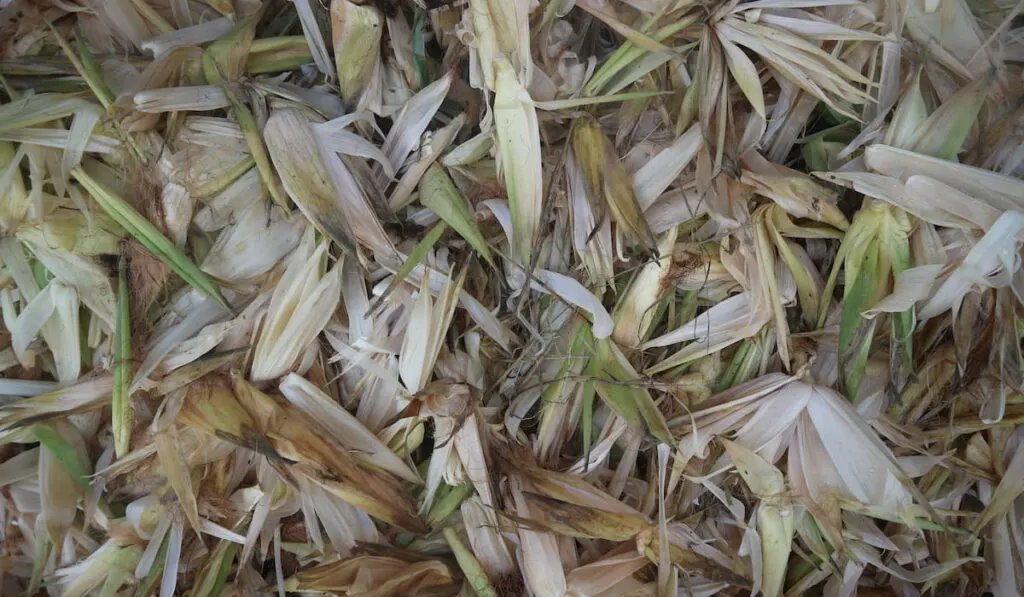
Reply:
x=577, y=298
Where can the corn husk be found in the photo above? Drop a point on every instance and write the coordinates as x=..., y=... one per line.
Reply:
x=303, y=289
x=357, y=29
x=579, y=298
x=515, y=123
x=608, y=185
x=305, y=176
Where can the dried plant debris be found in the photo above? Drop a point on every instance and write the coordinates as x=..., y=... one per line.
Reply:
x=589, y=298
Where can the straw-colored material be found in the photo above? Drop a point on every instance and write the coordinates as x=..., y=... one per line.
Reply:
x=561, y=298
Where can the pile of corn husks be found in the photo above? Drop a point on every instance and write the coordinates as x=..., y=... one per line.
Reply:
x=511, y=297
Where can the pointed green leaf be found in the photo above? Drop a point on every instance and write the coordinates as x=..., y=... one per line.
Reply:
x=148, y=235
x=121, y=411
x=438, y=192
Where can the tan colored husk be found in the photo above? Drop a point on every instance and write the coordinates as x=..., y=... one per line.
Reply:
x=581, y=298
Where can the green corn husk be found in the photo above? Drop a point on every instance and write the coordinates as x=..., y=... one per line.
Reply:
x=438, y=192
x=122, y=412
